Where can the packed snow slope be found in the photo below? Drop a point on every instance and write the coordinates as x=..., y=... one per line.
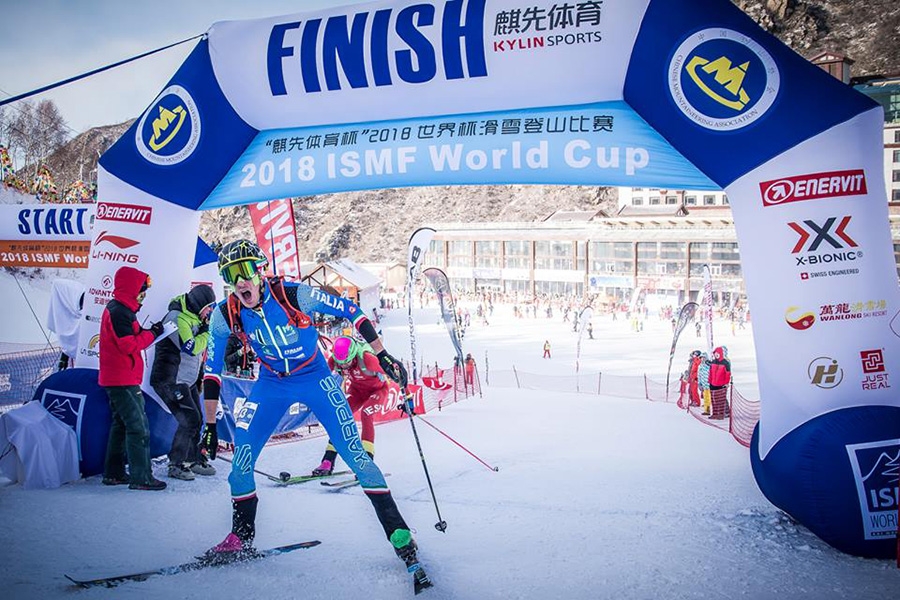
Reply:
x=595, y=497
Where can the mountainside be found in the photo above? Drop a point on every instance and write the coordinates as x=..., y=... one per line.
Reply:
x=375, y=225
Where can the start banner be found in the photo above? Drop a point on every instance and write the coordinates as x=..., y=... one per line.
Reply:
x=49, y=253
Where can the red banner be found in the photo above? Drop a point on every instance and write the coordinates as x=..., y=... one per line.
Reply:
x=383, y=414
x=273, y=222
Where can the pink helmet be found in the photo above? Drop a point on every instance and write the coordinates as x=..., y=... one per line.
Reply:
x=345, y=349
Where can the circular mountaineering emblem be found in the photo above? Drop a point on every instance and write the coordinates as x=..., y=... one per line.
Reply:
x=170, y=129
x=723, y=80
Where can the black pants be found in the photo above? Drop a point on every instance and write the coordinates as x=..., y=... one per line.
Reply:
x=183, y=401
x=129, y=435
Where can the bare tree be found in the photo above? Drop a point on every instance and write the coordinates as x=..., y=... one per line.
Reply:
x=35, y=131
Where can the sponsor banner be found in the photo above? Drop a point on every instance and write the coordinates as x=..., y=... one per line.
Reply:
x=67, y=254
x=273, y=223
x=390, y=412
x=578, y=145
x=384, y=60
x=706, y=309
x=875, y=466
x=415, y=255
x=34, y=222
x=822, y=285
x=143, y=232
x=813, y=187
x=685, y=316
x=441, y=286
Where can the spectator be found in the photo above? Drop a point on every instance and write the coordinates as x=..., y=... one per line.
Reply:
x=470, y=370
x=719, y=378
x=239, y=358
x=121, y=370
x=174, y=376
x=590, y=330
x=547, y=349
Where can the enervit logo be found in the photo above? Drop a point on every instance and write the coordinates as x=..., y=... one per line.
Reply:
x=875, y=467
x=800, y=321
x=108, y=211
x=872, y=361
x=723, y=80
x=170, y=129
x=813, y=187
x=825, y=372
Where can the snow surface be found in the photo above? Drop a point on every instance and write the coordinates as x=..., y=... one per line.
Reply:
x=595, y=497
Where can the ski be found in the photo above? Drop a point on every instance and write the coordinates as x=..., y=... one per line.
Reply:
x=346, y=483
x=193, y=565
x=304, y=478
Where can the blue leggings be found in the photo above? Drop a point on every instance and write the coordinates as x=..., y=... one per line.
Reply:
x=271, y=397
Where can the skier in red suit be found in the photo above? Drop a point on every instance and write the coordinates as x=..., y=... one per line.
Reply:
x=366, y=385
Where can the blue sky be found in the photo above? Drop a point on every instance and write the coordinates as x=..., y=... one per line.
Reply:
x=44, y=41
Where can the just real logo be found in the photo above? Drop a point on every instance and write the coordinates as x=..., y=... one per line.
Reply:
x=875, y=376
x=350, y=48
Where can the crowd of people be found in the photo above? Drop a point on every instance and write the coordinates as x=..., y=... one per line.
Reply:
x=292, y=367
x=705, y=382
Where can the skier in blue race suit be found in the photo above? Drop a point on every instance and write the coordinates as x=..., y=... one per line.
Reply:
x=272, y=317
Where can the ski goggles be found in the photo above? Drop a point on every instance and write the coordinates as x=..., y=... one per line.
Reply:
x=234, y=272
x=146, y=285
x=345, y=350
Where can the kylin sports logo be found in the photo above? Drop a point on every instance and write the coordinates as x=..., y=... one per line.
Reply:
x=723, y=80
x=170, y=130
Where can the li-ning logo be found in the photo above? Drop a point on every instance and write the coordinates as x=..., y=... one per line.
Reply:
x=839, y=240
x=875, y=469
x=170, y=129
x=813, y=187
x=825, y=372
x=799, y=322
x=123, y=243
x=723, y=80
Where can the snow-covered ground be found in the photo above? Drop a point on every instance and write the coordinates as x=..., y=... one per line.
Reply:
x=595, y=497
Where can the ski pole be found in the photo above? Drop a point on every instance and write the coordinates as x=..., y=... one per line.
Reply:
x=283, y=476
x=469, y=452
x=441, y=525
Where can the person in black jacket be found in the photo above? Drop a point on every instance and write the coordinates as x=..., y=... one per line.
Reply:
x=239, y=357
x=176, y=367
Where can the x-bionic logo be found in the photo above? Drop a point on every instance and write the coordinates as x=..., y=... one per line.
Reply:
x=819, y=234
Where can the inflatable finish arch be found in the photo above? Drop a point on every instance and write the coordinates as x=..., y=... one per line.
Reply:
x=647, y=93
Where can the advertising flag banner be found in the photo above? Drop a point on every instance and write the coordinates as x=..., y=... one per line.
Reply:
x=441, y=286
x=707, y=310
x=273, y=223
x=418, y=245
x=587, y=313
x=685, y=316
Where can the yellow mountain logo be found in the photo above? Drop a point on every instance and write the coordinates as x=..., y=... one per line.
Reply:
x=166, y=126
x=722, y=74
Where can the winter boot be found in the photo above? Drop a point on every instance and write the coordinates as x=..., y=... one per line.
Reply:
x=405, y=547
x=237, y=545
x=179, y=471
x=202, y=467
x=323, y=469
x=152, y=485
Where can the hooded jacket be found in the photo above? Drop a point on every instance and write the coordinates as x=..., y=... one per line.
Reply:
x=719, y=369
x=179, y=357
x=121, y=337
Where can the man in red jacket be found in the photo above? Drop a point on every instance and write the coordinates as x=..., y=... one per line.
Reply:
x=121, y=370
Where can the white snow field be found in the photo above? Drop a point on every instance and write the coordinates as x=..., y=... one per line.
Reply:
x=595, y=497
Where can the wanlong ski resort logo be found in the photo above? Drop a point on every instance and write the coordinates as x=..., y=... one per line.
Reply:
x=723, y=80
x=170, y=129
